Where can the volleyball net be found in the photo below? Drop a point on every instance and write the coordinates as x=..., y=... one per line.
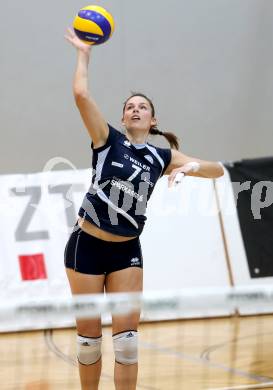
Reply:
x=216, y=338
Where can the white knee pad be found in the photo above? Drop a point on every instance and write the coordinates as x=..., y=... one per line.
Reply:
x=125, y=347
x=88, y=349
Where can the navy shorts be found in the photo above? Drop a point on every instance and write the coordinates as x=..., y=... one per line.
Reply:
x=90, y=255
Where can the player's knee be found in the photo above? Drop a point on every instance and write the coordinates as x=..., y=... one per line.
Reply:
x=125, y=347
x=88, y=349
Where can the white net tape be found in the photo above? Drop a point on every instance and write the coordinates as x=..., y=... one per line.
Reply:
x=178, y=304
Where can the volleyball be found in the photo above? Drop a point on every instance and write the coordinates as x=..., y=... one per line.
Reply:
x=93, y=25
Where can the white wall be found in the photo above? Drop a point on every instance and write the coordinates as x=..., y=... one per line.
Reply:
x=206, y=63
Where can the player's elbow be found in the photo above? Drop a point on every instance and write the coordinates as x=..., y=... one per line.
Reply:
x=219, y=170
x=213, y=171
x=80, y=95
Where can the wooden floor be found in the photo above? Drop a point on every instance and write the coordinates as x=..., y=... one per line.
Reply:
x=191, y=354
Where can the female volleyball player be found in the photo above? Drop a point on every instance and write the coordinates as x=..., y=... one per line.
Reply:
x=103, y=251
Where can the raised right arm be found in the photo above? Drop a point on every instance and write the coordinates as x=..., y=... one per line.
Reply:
x=90, y=113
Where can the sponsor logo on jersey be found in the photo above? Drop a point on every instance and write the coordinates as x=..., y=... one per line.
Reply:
x=148, y=181
x=135, y=261
x=121, y=186
x=139, y=164
x=127, y=143
x=117, y=164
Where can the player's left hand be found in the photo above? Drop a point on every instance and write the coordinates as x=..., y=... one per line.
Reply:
x=177, y=174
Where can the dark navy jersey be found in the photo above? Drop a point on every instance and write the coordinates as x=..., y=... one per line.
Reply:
x=123, y=178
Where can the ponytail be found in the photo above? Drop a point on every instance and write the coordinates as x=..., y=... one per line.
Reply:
x=170, y=137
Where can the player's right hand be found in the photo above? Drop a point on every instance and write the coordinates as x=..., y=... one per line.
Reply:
x=71, y=37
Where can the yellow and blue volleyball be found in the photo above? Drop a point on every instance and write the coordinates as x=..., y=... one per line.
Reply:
x=94, y=25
